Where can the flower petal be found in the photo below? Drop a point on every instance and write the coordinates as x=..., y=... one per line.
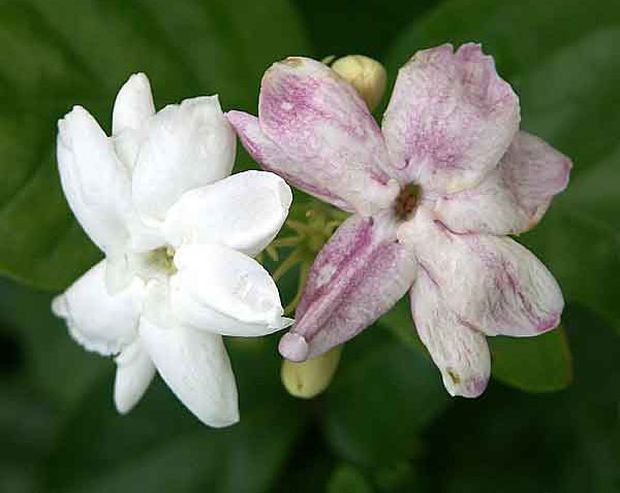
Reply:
x=221, y=290
x=357, y=277
x=195, y=366
x=244, y=211
x=98, y=321
x=514, y=196
x=96, y=184
x=493, y=284
x=188, y=146
x=133, y=105
x=272, y=158
x=325, y=130
x=134, y=372
x=460, y=353
x=450, y=119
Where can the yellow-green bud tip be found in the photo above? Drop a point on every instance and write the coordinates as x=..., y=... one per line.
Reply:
x=365, y=74
x=311, y=377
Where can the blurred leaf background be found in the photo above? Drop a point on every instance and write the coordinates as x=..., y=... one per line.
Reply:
x=549, y=421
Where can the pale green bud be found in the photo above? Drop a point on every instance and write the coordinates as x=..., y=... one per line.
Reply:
x=365, y=74
x=311, y=377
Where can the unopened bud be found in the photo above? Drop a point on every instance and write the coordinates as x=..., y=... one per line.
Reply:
x=365, y=74
x=311, y=377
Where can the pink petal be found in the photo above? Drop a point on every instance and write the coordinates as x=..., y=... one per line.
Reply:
x=326, y=132
x=460, y=353
x=450, y=119
x=514, y=196
x=357, y=277
x=493, y=284
x=272, y=158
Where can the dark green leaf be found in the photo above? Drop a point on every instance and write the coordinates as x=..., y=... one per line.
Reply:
x=348, y=479
x=565, y=442
x=384, y=393
x=537, y=364
x=160, y=446
x=57, y=54
x=59, y=367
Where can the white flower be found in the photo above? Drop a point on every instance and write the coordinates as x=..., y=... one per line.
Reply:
x=178, y=234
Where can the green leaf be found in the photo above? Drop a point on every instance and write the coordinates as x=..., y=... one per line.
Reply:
x=561, y=57
x=382, y=396
x=513, y=442
x=537, y=364
x=58, y=367
x=61, y=53
x=26, y=429
x=160, y=446
x=348, y=479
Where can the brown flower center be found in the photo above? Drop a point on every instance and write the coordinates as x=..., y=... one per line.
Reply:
x=406, y=201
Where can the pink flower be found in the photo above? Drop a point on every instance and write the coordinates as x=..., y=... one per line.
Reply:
x=434, y=192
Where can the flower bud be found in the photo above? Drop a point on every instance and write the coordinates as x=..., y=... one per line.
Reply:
x=311, y=377
x=365, y=74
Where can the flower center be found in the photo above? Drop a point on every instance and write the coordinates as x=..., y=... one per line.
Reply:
x=406, y=202
x=162, y=260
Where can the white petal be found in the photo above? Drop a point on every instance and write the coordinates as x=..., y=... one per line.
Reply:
x=196, y=367
x=188, y=146
x=98, y=321
x=493, y=284
x=127, y=145
x=134, y=373
x=244, y=211
x=460, y=353
x=133, y=105
x=221, y=290
x=96, y=184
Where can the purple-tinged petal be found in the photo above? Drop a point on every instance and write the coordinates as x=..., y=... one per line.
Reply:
x=514, y=196
x=323, y=126
x=272, y=158
x=357, y=277
x=493, y=284
x=460, y=353
x=450, y=119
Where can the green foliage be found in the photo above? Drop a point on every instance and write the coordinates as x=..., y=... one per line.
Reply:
x=539, y=364
x=383, y=395
x=161, y=447
x=347, y=479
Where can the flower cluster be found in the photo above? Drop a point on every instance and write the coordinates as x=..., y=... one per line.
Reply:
x=434, y=195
